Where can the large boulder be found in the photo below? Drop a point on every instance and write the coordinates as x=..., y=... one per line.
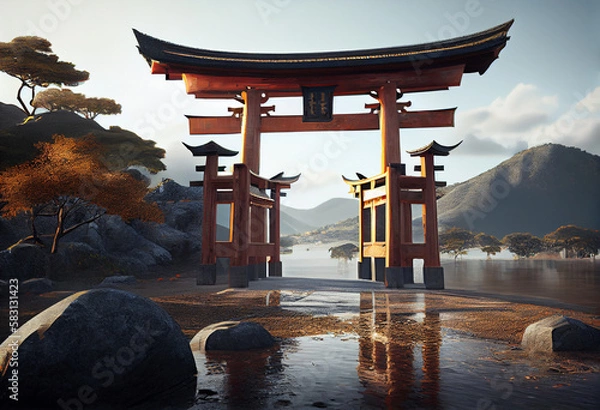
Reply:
x=103, y=347
x=23, y=262
x=36, y=286
x=560, y=333
x=232, y=335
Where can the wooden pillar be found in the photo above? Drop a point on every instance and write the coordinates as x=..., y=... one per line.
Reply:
x=393, y=234
x=238, y=269
x=207, y=274
x=251, y=129
x=430, y=228
x=388, y=123
x=209, y=212
x=275, y=268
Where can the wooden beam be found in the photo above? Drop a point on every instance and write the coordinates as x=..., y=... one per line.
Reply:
x=217, y=86
x=341, y=122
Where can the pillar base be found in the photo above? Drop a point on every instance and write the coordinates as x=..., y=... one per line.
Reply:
x=261, y=270
x=222, y=267
x=364, y=269
x=380, y=269
x=238, y=276
x=394, y=277
x=433, y=277
x=207, y=275
x=275, y=269
x=409, y=274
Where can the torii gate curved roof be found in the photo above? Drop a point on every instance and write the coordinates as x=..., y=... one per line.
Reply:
x=422, y=67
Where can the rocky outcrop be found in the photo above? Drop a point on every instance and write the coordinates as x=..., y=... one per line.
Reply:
x=24, y=262
x=36, y=286
x=560, y=333
x=118, y=280
x=110, y=245
x=102, y=347
x=232, y=335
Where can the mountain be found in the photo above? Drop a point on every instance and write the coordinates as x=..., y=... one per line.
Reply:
x=328, y=213
x=123, y=147
x=536, y=191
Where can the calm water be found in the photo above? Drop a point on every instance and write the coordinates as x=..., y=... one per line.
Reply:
x=567, y=281
x=430, y=368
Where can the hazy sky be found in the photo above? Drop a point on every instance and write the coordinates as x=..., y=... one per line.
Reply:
x=545, y=87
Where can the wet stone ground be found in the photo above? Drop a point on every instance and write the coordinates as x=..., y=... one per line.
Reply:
x=396, y=359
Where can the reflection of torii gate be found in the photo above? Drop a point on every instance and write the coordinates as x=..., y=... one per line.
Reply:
x=385, y=74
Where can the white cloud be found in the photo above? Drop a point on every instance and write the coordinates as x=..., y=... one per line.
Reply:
x=508, y=118
x=526, y=116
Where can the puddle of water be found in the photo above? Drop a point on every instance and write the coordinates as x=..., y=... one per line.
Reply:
x=351, y=372
x=401, y=358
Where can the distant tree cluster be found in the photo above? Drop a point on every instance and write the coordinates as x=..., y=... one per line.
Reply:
x=55, y=99
x=576, y=241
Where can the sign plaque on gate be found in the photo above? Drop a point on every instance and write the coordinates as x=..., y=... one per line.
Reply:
x=318, y=104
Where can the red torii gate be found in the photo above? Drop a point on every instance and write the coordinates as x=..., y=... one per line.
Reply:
x=385, y=74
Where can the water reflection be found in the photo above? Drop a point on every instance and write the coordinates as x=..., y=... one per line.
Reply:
x=246, y=374
x=390, y=341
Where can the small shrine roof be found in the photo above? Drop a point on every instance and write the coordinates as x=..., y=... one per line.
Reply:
x=435, y=148
x=210, y=148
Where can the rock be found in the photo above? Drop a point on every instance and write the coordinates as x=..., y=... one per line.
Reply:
x=179, y=244
x=23, y=262
x=560, y=333
x=37, y=286
x=117, y=280
x=169, y=190
x=74, y=257
x=232, y=335
x=104, y=347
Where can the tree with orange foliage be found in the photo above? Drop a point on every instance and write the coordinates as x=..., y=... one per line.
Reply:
x=69, y=182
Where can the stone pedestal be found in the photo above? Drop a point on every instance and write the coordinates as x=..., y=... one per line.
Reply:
x=207, y=275
x=394, y=277
x=433, y=277
x=261, y=270
x=238, y=276
x=364, y=269
x=275, y=269
x=409, y=274
x=380, y=269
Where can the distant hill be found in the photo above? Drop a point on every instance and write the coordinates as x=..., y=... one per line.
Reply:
x=536, y=191
x=123, y=147
x=10, y=115
x=327, y=213
x=346, y=230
